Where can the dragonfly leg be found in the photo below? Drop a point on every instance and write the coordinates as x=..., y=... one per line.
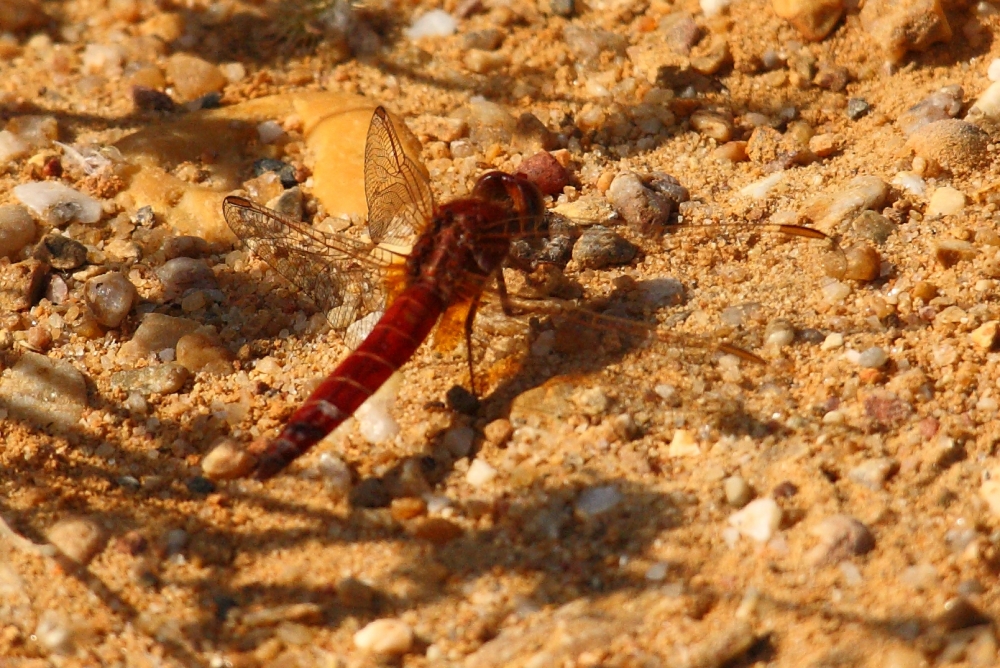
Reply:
x=505, y=304
x=470, y=317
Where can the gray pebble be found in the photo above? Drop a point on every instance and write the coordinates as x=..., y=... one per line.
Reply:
x=857, y=107
x=144, y=217
x=597, y=500
x=873, y=226
x=158, y=379
x=873, y=473
x=873, y=358
x=642, y=207
x=288, y=203
x=184, y=246
x=944, y=104
x=110, y=298
x=840, y=537
x=156, y=332
x=44, y=392
x=600, y=247
x=182, y=274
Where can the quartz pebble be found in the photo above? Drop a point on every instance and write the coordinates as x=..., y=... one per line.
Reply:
x=946, y=201
x=873, y=473
x=156, y=332
x=985, y=336
x=17, y=229
x=738, y=492
x=642, y=207
x=987, y=104
x=840, y=537
x=193, y=77
x=480, y=473
x=873, y=358
x=12, y=147
x=57, y=204
x=110, y=297
x=899, y=27
x=184, y=273
x=45, y=392
x=203, y=352
x=758, y=520
x=385, y=636
x=227, y=460
x=600, y=247
x=683, y=444
x=595, y=501
x=941, y=105
x=79, y=538
x=814, y=19
x=829, y=210
x=952, y=145
x=435, y=23
x=157, y=379
x=863, y=263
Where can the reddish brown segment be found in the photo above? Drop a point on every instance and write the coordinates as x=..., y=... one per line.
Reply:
x=458, y=248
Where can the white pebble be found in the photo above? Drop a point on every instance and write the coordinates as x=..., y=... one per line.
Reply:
x=713, y=7
x=54, y=633
x=385, y=636
x=758, y=521
x=480, y=473
x=335, y=473
x=12, y=147
x=226, y=461
x=458, y=441
x=910, y=183
x=269, y=132
x=435, y=23
x=873, y=358
x=597, y=500
x=79, y=538
x=234, y=72
x=946, y=201
x=835, y=291
x=375, y=420
x=737, y=491
x=17, y=229
x=683, y=444
x=832, y=341
x=988, y=103
x=760, y=189
x=57, y=203
x=657, y=572
x=103, y=59
x=993, y=71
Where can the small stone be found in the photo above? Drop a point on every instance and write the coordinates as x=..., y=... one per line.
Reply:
x=985, y=336
x=832, y=77
x=498, y=432
x=814, y=19
x=873, y=358
x=21, y=284
x=385, y=636
x=657, y=572
x=599, y=247
x=778, y=151
x=830, y=210
x=779, y=333
x=683, y=444
x=199, y=485
x=60, y=252
x=873, y=473
x=899, y=27
x=302, y=613
x=940, y=105
x=203, y=352
x=863, y=263
x=436, y=530
x=12, y=147
x=545, y=172
x=484, y=62
x=288, y=203
x=57, y=204
x=951, y=145
x=595, y=501
x=593, y=401
x=336, y=474
x=227, y=460
x=989, y=490
x=184, y=246
x=285, y=172
x=713, y=125
x=54, y=632
x=79, y=538
x=182, y=274
x=44, y=392
x=407, y=508
x=959, y=613
x=840, y=537
x=857, y=107
x=949, y=252
x=270, y=132
x=712, y=58
x=564, y=8
x=758, y=520
x=175, y=541
x=156, y=332
x=110, y=297
x=157, y=379
x=824, y=145
x=17, y=229
x=946, y=201
x=193, y=77
x=146, y=98
x=731, y=151
x=480, y=473
x=873, y=226
x=987, y=104
x=435, y=23
x=738, y=492
x=489, y=39
x=458, y=441
x=642, y=207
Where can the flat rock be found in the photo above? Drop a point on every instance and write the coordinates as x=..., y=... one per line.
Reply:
x=47, y=393
x=158, y=379
x=156, y=332
x=829, y=210
x=900, y=27
x=21, y=284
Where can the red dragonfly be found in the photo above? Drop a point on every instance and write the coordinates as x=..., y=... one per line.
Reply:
x=459, y=247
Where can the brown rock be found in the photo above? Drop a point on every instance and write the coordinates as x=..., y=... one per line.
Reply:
x=906, y=25
x=814, y=19
x=21, y=284
x=194, y=77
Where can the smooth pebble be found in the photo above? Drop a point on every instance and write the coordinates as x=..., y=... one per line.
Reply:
x=840, y=537
x=156, y=332
x=946, y=201
x=598, y=500
x=110, y=297
x=156, y=379
x=17, y=229
x=385, y=636
x=600, y=247
x=435, y=23
x=45, y=392
x=480, y=473
x=227, y=460
x=57, y=204
x=737, y=491
x=184, y=273
x=758, y=520
x=79, y=538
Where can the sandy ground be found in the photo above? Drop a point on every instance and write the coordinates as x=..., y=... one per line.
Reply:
x=606, y=537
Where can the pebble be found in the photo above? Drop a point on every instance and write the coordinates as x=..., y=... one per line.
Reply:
x=483, y=62
x=987, y=104
x=45, y=392
x=156, y=332
x=489, y=123
x=758, y=520
x=857, y=107
x=946, y=201
x=270, y=132
x=21, y=284
x=285, y=171
x=941, y=105
x=833, y=78
x=150, y=99
x=779, y=333
x=949, y=252
x=899, y=27
x=564, y=8
x=199, y=351
x=375, y=419
x=985, y=336
x=600, y=247
x=989, y=490
x=184, y=273
x=193, y=77
x=336, y=474
x=840, y=537
x=595, y=501
x=436, y=530
x=288, y=203
x=709, y=60
x=435, y=23
x=642, y=207
x=227, y=460
x=829, y=210
x=54, y=632
x=157, y=379
x=863, y=263
x=79, y=538
x=873, y=473
x=738, y=492
x=814, y=19
x=57, y=204
x=952, y=145
x=458, y=441
x=959, y=613
x=17, y=229
x=385, y=636
x=712, y=124
x=873, y=358
x=683, y=444
x=489, y=39
x=60, y=252
x=184, y=246
x=873, y=226
x=12, y=147
x=110, y=297
x=544, y=171
x=199, y=485
x=480, y=473
x=713, y=7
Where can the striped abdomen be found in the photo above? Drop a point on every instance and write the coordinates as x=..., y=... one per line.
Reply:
x=391, y=343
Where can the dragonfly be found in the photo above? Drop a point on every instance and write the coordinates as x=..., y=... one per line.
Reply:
x=460, y=247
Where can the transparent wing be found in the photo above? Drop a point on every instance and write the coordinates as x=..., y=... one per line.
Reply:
x=399, y=197
x=343, y=276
